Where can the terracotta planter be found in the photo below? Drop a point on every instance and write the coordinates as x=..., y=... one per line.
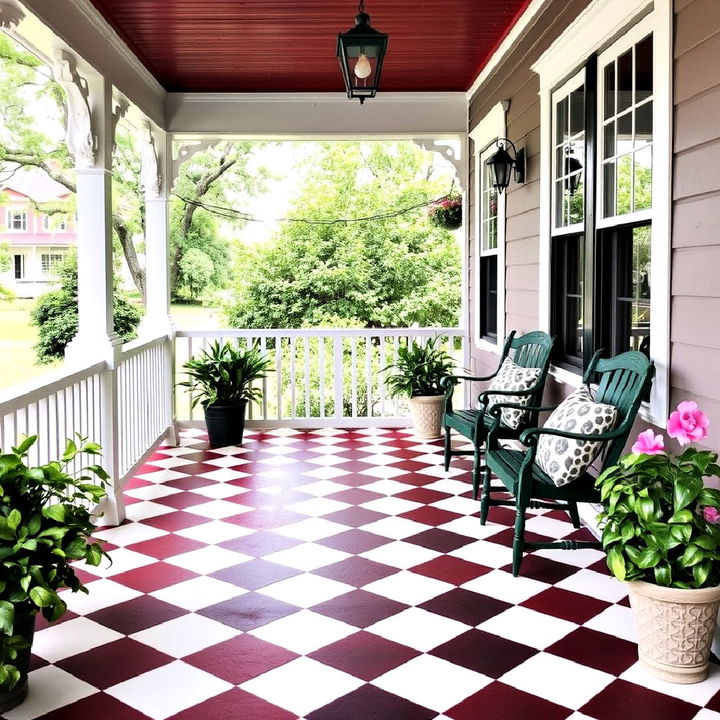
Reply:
x=426, y=412
x=675, y=629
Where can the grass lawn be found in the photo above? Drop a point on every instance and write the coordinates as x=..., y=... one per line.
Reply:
x=17, y=336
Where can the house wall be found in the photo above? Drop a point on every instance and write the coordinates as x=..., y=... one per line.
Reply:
x=695, y=262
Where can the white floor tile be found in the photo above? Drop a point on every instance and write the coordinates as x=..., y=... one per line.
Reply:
x=101, y=594
x=58, y=642
x=558, y=680
x=471, y=527
x=400, y=554
x=321, y=488
x=208, y=560
x=695, y=693
x=432, y=682
x=121, y=561
x=312, y=529
x=129, y=533
x=379, y=459
x=220, y=491
x=391, y=505
x=304, y=631
x=528, y=627
x=464, y=506
x=168, y=690
x=306, y=590
x=395, y=527
x=307, y=556
x=503, y=586
x=185, y=635
x=197, y=593
x=383, y=471
x=408, y=588
x=485, y=553
x=152, y=492
x=223, y=475
x=594, y=584
x=162, y=476
x=145, y=509
x=227, y=461
x=317, y=507
x=302, y=685
x=215, y=532
x=418, y=629
x=218, y=509
x=616, y=620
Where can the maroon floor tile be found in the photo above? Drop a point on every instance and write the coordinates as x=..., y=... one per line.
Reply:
x=415, y=478
x=114, y=662
x=364, y=655
x=354, y=516
x=235, y=704
x=240, y=659
x=260, y=543
x=248, y=611
x=359, y=608
x=183, y=500
x=465, y=606
x=356, y=496
x=371, y=703
x=566, y=605
x=166, y=546
x=193, y=469
x=175, y=521
x=356, y=571
x=255, y=574
x=484, y=652
x=543, y=569
x=442, y=541
x=430, y=516
x=153, y=577
x=266, y=519
x=95, y=706
x=355, y=541
x=423, y=495
x=41, y=623
x=502, y=702
x=596, y=649
x=451, y=569
x=37, y=662
x=499, y=515
x=621, y=699
x=506, y=537
x=135, y=482
x=137, y=614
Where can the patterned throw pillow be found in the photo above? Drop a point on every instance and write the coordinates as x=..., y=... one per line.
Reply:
x=513, y=377
x=564, y=459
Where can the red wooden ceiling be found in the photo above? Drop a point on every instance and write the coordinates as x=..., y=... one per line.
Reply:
x=282, y=46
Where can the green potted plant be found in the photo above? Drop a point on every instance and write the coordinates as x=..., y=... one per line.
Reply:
x=661, y=533
x=46, y=519
x=220, y=378
x=447, y=212
x=419, y=368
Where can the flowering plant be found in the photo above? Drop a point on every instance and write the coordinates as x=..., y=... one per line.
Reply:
x=447, y=213
x=661, y=524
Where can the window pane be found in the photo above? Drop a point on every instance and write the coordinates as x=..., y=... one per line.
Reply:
x=644, y=69
x=609, y=90
x=609, y=141
x=640, y=335
x=643, y=179
x=609, y=189
x=561, y=121
x=488, y=307
x=624, y=133
x=577, y=111
x=624, y=184
x=625, y=81
x=577, y=199
x=644, y=124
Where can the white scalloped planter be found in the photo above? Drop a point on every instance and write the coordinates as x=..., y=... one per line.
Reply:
x=675, y=629
x=426, y=412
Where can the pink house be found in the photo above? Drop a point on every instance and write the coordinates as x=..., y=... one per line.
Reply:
x=37, y=241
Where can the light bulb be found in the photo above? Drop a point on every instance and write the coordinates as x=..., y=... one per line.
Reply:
x=362, y=67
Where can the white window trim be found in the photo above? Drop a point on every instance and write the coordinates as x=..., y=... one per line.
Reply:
x=484, y=134
x=599, y=25
x=14, y=211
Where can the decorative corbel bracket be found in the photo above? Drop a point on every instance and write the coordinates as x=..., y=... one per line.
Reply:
x=11, y=15
x=80, y=138
x=150, y=177
x=183, y=150
x=448, y=152
x=120, y=108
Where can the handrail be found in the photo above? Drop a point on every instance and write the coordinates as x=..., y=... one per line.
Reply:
x=323, y=332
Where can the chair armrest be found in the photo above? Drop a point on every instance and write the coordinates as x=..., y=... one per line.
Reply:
x=450, y=380
x=528, y=436
x=495, y=408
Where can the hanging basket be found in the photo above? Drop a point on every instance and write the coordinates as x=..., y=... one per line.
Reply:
x=447, y=213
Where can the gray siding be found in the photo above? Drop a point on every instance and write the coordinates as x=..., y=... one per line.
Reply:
x=695, y=326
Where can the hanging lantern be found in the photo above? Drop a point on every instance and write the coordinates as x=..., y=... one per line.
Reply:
x=502, y=163
x=360, y=52
x=572, y=168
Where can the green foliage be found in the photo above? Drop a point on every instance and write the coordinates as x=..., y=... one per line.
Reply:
x=419, y=369
x=196, y=272
x=223, y=374
x=654, y=525
x=45, y=525
x=56, y=314
x=387, y=272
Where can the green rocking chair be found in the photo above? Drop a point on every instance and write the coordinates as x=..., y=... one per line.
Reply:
x=623, y=382
x=531, y=350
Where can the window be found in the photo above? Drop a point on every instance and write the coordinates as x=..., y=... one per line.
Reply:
x=19, y=266
x=49, y=263
x=488, y=230
x=600, y=276
x=54, y=223
x=16, y=220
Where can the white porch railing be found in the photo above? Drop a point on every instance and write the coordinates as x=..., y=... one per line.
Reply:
x=320, y=377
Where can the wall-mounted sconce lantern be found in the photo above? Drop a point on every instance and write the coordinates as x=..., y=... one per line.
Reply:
x=502, y=164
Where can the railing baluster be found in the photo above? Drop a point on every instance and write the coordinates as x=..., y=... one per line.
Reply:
x=278, y=374
x=368, y=374
x=353, y=376
x=321, y=373
x=338, y=373
x=306, y=345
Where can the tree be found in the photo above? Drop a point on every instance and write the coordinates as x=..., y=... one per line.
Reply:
x=56, y=314
x=196, y=272
x=393, y=271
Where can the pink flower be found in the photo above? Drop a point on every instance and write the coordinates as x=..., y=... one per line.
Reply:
x=687, y=423
x=712, y=515
x=648, y=443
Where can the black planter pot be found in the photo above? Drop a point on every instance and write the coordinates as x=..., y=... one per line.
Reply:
x=225, y=424
x=25, y=626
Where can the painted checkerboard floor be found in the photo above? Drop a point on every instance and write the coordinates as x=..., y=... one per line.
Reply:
x=339, y=575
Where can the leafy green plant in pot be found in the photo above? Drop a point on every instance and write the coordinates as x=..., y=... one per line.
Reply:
x=220, y=378
x=418, y=370
x=661, y=533
x=45, y=522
